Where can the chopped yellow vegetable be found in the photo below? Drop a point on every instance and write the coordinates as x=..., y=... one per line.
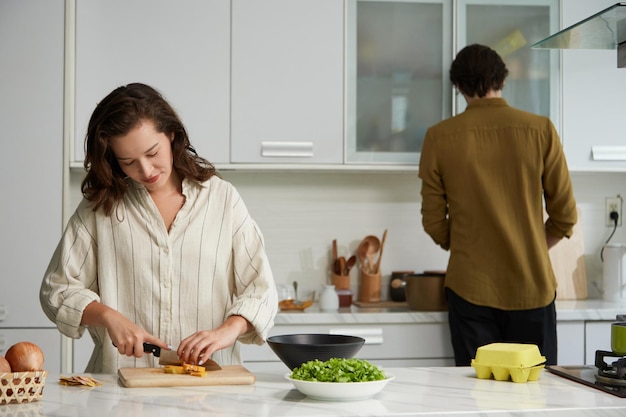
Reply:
x=193, y=368
x=174, y=369
x=185, y=368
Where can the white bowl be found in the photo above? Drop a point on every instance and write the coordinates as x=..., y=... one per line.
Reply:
x=339, y=391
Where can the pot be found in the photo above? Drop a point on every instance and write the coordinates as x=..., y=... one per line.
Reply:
x=618, y=338
x=425, y=292
x=614, y=272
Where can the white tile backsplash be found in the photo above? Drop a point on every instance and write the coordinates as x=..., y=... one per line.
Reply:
x=300, y=213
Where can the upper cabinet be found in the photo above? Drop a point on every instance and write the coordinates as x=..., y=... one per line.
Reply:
x=180, y=48
x=593, y=99
x=287, y=81
x=397, y=57
x=511, y=28
x=31, y=116
x=341, y=84
x=399, y=54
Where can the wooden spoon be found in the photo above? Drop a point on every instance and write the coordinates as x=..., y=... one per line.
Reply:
x=362, y=252
x=380, y=256
x=349, y=264
x=373, y=246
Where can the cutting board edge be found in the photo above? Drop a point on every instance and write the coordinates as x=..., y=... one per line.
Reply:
x=160, y=379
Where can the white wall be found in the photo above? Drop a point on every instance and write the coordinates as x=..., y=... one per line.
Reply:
x=300, y=213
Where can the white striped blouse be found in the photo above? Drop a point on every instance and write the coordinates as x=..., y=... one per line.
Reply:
x=211, y=265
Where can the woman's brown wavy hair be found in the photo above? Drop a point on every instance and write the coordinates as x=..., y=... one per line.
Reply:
x=478, y=69
x=117, y=114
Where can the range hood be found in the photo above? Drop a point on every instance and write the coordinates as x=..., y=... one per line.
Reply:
x=604, y=30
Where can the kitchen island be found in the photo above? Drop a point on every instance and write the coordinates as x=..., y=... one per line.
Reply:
x=443, y=392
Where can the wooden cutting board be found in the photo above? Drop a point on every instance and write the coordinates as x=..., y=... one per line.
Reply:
x=568, y=263
x=155, y=377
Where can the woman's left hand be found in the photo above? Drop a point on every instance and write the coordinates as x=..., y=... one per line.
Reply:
x=203, y=343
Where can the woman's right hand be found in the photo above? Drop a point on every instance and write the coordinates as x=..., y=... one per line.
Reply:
x=125, y=335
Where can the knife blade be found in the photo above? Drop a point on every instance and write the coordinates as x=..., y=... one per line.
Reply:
x=170, y=357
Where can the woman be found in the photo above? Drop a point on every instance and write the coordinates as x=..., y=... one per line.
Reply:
x=160, y=250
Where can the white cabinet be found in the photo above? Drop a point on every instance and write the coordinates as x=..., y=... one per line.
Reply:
x=180, y=48
x=397, y=58
x=597, y=337
x=571, y=342
x=287, y=81
x=593, y=96
x=31, y=116
x=49, y=340
x=335, y=83
x=410, y=344
x=510, y=28
x=82, y=349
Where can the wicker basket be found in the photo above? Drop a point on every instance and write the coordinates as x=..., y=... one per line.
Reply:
x=21, y=387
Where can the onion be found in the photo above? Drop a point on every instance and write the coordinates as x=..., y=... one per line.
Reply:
x=4, y=365
x=25, y=357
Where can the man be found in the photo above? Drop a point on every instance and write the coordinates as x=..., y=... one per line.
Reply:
x=486, y=175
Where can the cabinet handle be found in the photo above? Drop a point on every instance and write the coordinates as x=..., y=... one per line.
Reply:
x=608, y=153
x=3, y=313
x=371, y=336
x=287, y=149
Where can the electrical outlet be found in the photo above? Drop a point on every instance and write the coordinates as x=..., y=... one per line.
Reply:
x=613, y=204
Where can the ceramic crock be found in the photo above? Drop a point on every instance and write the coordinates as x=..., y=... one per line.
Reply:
x=614, y=272
x=425, y=292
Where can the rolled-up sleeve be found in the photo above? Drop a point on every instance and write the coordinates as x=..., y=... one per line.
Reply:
x=257, y=298
x=70, y=281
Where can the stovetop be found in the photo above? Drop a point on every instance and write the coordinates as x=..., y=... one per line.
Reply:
x=587, y=375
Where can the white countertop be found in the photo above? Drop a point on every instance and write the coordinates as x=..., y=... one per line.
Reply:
x=567, y=310
x=443, y=392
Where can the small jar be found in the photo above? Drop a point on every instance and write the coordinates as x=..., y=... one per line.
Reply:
x=329, y=300
x=345, y=298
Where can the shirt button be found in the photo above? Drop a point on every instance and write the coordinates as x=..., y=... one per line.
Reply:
x=166, y=250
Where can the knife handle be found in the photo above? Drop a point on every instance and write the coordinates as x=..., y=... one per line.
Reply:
x=150, y=348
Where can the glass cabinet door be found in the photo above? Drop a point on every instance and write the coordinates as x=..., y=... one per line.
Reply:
x=398, y=57
x=510, y=28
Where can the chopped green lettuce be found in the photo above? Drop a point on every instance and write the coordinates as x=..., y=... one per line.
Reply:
x=338, y=370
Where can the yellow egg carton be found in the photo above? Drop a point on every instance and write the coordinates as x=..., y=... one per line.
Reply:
x=518, y=361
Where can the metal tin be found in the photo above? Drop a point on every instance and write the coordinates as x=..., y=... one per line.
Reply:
x=397, y=282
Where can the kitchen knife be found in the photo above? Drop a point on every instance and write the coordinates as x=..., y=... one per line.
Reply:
x=170, y=357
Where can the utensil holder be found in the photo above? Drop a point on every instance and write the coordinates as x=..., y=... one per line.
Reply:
x=341, y=282
x=369, y=290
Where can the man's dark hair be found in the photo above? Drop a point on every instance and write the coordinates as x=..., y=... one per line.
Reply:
x=478, y=69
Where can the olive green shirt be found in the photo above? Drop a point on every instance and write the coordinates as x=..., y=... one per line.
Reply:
x=486, y=174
